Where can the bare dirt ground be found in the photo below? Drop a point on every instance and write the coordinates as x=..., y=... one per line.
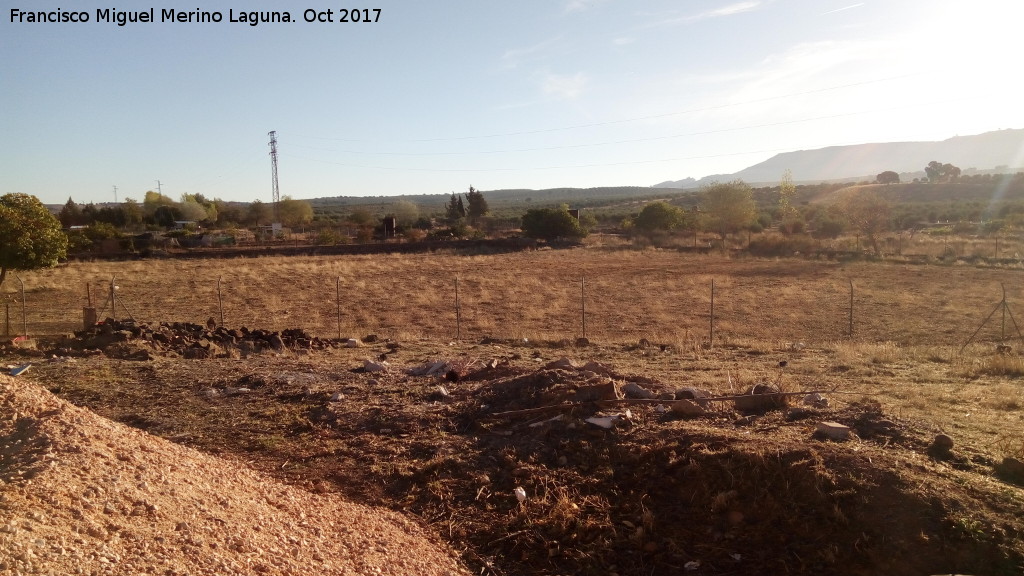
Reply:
x=733, y=490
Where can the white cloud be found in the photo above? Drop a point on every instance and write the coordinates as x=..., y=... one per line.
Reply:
x=724, y=11
x=844, y=8
x=580, y=5
x=623, y=40
x=515, y=57
x=563, y=86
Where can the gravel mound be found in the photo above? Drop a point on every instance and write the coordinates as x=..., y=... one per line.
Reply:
x=80, y=494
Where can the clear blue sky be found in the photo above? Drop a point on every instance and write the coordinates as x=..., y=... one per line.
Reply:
x=438, y=96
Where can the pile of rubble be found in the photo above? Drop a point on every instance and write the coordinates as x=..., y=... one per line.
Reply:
x=130, y=340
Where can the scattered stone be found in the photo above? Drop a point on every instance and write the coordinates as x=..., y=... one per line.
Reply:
x=695, y=394
x=371, y=338
x=634, y=390
x=520, y=494
x=428, y=369
x=371, y=366
x=353, y=343
x=337, y=397
x=277, y=343
x=688, y=408
x=562, y=363
x=760, y=398
x=833, y=431
x=745, y=420
x=940, y=447
x=582, y=342
x=597, y=368
x=1011, y=470
x=815, y=400
x=590, y=393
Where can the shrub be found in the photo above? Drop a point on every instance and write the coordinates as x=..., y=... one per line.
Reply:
x=775, y=245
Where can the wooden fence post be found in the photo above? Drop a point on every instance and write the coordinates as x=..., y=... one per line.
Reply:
x=458, y=313
x=851, y=311
x=583, y=304
x=711, y=334
x=24, y=313
x=220, y=301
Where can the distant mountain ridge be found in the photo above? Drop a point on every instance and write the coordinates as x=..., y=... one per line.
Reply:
x=990, y=150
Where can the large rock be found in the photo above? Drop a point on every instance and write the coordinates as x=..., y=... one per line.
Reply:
x=634, y=390
x=687, y=408
x=760, y=398
x=833, y=431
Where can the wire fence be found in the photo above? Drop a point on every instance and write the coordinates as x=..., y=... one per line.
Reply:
x=701, y=303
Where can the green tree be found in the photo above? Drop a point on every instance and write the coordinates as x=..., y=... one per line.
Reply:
x=941, y=172
x=477, y=205
x=208, y=208
x=154, y=200
x=790, y=221
x=729, y=207
x=30, y=236
x=454, y=210
x=192, y=210
x=361, y=217
x=867, y=212
x=552, y=224
x=888, y=177
x=294, y=212
x=229, y=214
x=405, y=212
x=258, y=213
x=132, y=213
x=659, y=217
x=71, y=214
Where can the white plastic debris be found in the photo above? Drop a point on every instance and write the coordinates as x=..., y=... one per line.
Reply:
x=606, y=422
x=520, y=494
x=692, y=565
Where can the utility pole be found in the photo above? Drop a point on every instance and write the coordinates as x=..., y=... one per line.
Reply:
x=273, y=164
x=159, y=188
x=115, y=194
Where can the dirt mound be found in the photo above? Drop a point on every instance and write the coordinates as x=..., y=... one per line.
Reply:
x=82, y=494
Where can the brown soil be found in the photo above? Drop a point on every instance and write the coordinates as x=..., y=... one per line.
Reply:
x=728, y=492
x=80, y=494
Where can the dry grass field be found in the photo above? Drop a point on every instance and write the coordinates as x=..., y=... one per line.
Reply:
x=663, y=296
x=648, y=497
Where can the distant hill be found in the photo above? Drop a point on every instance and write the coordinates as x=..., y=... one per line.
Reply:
x=992, y=151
